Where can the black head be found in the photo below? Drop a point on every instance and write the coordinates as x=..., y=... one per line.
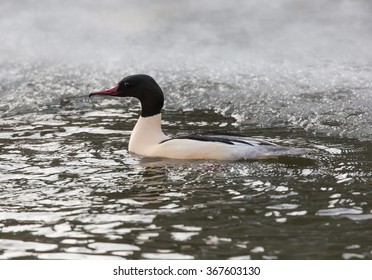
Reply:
x=142, y=87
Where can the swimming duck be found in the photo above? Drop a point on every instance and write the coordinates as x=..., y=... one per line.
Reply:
x=147, y=138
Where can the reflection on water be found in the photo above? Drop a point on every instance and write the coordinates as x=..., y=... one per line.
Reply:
x=69, y=190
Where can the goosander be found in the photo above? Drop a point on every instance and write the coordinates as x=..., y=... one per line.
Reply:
x=147, y=138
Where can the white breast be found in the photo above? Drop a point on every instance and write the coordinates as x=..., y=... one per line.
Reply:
x=146, y=135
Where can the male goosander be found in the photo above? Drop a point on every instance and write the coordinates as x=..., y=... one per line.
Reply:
x=147, y=138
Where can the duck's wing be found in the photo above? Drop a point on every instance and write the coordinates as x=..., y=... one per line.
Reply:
x=225, y=138
x=234, y=147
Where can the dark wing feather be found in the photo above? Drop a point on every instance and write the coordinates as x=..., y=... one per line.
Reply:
x=226, y=138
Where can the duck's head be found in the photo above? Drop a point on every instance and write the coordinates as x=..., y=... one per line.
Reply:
x=142, y=87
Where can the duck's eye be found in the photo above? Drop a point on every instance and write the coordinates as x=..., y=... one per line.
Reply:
x=126, y=85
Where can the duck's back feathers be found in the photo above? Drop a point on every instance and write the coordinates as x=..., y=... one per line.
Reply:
x=222, y=146
x=225, y=138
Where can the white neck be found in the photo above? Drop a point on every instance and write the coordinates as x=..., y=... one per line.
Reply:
x=146, y=135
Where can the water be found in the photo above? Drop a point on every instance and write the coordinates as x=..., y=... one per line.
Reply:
x=295, y=73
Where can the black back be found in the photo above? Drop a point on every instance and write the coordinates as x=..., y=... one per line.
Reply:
x=226, y=138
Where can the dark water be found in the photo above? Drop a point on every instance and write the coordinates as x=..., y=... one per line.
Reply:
x=292, y=72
